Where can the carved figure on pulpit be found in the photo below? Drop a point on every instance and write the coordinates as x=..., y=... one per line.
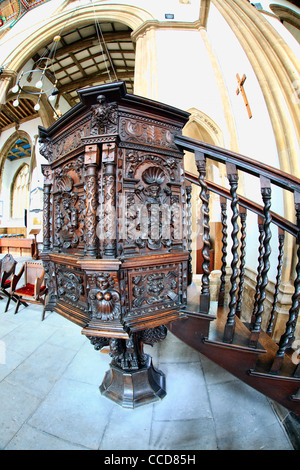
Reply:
x=104, y=299
x=69, y=213
x=154, y=178
x=104, y=117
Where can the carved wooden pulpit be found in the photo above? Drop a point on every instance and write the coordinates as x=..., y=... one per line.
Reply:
x=116, y=249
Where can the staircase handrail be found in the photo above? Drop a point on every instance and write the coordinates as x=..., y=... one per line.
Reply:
x=278, y=220
x=251, y=166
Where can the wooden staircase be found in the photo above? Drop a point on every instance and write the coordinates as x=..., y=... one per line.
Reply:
x=204, y=333
x=242, y=347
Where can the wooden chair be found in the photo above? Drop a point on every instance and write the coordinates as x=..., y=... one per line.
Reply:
x=7, y=269
x=33, y=290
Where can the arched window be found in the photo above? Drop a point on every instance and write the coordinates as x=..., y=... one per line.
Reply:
x=19, y=193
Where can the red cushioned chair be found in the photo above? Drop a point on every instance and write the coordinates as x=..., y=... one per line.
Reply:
x=33, y=291
x=8, y=266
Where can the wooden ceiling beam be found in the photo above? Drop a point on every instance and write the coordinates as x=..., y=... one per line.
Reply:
x=90, y=79
x=92, y=41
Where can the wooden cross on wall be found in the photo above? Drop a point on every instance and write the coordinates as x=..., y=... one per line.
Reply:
x=240, y=88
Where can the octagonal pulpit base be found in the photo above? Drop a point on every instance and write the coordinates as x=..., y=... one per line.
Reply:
x=131, y=389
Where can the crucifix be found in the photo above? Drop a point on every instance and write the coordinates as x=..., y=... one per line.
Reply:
x=240, y=88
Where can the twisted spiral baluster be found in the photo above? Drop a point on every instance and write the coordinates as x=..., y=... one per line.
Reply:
x=259, y=268
x=288, y=337
x=223, y=202
x=204, y=196
x=243, y=216
x=266, y=196
x=230, y=324
x=189, y=230
x=278, y=279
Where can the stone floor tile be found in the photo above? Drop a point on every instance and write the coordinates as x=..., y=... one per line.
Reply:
x=273, y=437
x=70, y=337
x=73, y=411
x=9, y=360
x=27, y=338
x=186, y=393
x=128, y=429
x=214, y=373
x=16, y=407
x=29, y=438
x=174, y=350
x=244, y=416
x=38, y=373
x=191, y=434
x=88, y=365
x=50, y=398
x=7, y=325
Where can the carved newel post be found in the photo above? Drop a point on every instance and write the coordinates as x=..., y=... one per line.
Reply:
x=116, y=230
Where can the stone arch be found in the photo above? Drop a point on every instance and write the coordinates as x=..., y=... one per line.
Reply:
x=12, y=184
x=131, y=16
x=289, y=18
x=201, y=127
x=7, y=146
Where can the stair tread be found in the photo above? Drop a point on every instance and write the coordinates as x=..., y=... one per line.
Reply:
x=264, y=363
x=241, y=332
x=266, y=348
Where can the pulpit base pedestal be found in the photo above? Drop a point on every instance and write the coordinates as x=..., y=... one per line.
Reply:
x=131, y=389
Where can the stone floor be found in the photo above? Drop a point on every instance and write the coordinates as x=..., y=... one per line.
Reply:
x=50, y=400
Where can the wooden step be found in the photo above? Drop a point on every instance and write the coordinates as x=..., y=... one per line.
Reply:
x=205, y=334
x=265, y=362
x=241, y=332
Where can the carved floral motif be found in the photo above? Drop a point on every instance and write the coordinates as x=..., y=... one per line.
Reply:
x=146, y=131
x=154, y=288
x=69, y=285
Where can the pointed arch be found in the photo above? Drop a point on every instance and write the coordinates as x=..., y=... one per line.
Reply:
x=8, y=145
x=132, y=16
x=19, y=192
x=201, y=127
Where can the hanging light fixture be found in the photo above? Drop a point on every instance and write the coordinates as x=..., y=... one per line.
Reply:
x=43, y=75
